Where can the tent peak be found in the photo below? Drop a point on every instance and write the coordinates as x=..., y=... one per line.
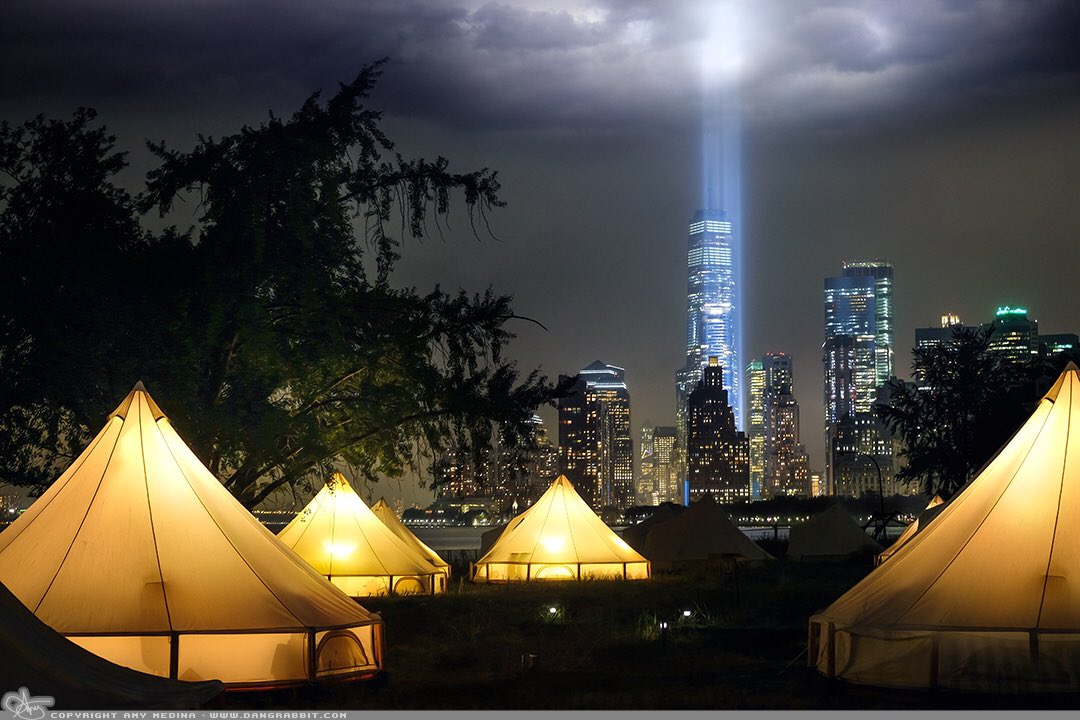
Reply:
x=122, y=410
x=1052, y=393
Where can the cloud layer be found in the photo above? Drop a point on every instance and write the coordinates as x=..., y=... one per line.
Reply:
x=940, y=134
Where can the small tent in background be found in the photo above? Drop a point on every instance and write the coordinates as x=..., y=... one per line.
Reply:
x=40, y=659
x=138, y=554
x=339, y=535
x=383, y=511
x=635, y=534
x=909, y=532
x=830, y=536
x=984, y=597
x=559, y=538
x=701, y=536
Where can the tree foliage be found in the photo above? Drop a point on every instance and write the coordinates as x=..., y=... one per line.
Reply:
x=965, y=405
x=270, y=330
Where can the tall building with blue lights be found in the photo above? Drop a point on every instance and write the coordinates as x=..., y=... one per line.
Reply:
x=712, y=305
x=858, y=358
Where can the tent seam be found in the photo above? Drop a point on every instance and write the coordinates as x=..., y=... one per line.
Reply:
x=981, y=522
x=307, y=526
x=183, y=474
x=82, y=522
x=74, y=472
x=1057, y=515
x=570, y=531
x=542, y=526
x=150, y=512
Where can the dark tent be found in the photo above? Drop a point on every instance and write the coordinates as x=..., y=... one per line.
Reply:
x=36, y=657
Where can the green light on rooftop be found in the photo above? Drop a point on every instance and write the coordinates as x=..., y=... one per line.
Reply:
x=1006, y=310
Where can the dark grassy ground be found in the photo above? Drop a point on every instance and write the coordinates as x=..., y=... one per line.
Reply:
x=743, y=647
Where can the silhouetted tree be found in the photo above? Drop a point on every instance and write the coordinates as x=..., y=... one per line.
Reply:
x=67, y=238
x=963, y=407
x=270, y=330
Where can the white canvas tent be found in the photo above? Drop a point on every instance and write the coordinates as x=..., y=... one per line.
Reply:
x=701, y=536
x=830, y=536
x=343, y=540
x=559, y=538
x=909, y=532
x=984, y=598
x=138, y=554
x=40, y=659
x=390, y=519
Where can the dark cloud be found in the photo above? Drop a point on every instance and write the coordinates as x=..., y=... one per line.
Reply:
x=941, y=135
x=503, y=66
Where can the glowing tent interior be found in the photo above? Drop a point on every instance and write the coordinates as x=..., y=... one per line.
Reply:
x=138, y=554
x=389, y=518
x=37, y=657
x=701, y=536
x=559, y=538
x=339, y=535
x=830, y=536
x=983, y=598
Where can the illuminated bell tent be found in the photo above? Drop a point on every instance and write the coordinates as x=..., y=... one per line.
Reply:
x=830, y=536
x=343, y=540
x=559, y=538
x=703, y=535
x=383, y=511
x=909, y=532
x=138, y=554
x=984, y=597
x=40, y=659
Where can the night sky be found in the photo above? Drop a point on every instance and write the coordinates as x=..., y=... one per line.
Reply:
x=942, y=136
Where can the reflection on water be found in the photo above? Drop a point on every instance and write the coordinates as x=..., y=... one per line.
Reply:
x=468, y=538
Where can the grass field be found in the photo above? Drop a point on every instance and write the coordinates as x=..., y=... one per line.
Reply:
x=741, y=647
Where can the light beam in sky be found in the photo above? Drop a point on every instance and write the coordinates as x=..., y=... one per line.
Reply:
x=723, y=63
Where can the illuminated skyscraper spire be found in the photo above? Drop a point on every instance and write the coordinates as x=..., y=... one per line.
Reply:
x=711, y=311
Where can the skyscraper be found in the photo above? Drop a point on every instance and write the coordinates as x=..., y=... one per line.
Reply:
x=858, y=349
x=930, y=337
x=596, y=451
x=525, y=470
x=755, y=426
x=665, y=451
x=718, y=455
x=784, y=461
x=712, y=306
x=645, y=493
x=1013, y=337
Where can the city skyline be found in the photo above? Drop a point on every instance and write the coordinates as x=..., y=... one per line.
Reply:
x=941, y=136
